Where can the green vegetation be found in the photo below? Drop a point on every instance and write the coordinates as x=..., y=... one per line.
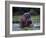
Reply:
x=34, y=18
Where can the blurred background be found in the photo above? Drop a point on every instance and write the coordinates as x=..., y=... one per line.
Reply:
x=19, y=11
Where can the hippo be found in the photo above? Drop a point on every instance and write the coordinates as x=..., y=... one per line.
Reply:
x=26, y=20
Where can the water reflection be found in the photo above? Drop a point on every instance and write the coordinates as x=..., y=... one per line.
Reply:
x=16, y=27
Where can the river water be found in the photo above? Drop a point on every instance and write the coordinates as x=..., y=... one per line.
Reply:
x=16, y=27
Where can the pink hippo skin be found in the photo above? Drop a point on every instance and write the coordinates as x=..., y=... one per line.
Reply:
x=25, y=22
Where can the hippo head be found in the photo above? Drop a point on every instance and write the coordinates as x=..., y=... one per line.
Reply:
x=27, y=15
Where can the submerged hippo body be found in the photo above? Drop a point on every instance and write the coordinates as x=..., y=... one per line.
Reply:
x=26, y=20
